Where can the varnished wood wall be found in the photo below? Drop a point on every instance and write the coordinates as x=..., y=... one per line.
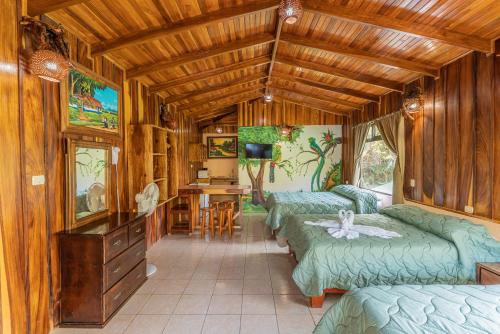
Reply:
x=13, y=230
x=453, y=145
x=32, y=216
x=258, y=113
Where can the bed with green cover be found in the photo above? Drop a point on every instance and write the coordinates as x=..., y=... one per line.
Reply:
x=408, y=309
x=432, y=249
x=282, y=204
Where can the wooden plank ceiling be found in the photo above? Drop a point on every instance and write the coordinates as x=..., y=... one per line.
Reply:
x=206, y=55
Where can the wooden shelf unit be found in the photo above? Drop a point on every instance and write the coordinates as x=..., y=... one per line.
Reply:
x=152, y=158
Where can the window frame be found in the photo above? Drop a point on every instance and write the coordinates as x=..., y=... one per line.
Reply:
x=371, y=137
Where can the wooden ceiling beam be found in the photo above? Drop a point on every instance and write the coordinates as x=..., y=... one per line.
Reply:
x=211, y=89
x=39, y=7
x=292, y=79
x=164, y=65
x=338, y=72
x=330, y=88
x=206, y=75
x=361, y=54
x=326, y=100
x=279, y=27
x=415, y=29
x=209, y=113
x=211, y=18
x=212, y=116
x=319, y=105
x=196, y=104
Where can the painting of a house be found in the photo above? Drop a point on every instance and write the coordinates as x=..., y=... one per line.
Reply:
x=92, y=103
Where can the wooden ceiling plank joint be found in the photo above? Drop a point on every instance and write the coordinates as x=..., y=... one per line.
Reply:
x=425, y=31
x=181, y=26
x=188, y=58
x=39, y=7
x=361, y=54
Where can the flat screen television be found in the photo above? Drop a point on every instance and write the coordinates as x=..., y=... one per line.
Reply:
x=259, y=151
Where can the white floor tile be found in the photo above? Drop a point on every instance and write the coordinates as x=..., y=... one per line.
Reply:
x=295, y=324
x=258, y=304
x=171, y=287
x=160, y=304
x=221, y=324
x=184, y=324
x=193, y=304
x=148, y=324
x=228, y=287
x=291, y=304
x=225, y=304
x=259, y=324
x=257, y=287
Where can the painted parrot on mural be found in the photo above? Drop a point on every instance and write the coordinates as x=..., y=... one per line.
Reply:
x=316, y=178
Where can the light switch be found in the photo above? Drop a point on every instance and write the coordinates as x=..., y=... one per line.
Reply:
x=469, y=209
x=412, y=183
x=37, y=180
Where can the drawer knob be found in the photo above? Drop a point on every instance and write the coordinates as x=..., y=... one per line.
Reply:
x=139, y=230
x=117, y=296
x=117, y=243
x=117, y=270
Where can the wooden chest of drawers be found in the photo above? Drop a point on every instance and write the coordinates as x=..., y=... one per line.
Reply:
x=488, y=273
x=102, y=264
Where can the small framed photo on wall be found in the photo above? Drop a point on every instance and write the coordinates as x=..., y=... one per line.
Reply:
x=222, y=147
x=91, y=105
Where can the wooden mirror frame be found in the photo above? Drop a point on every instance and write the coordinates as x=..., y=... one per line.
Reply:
x=71, y=221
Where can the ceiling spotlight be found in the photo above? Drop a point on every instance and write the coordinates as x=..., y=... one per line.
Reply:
x=290, y=11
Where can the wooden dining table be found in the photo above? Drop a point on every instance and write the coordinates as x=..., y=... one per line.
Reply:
x=194, y=191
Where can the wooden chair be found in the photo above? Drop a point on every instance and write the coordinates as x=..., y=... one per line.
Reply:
x=225, y=218
x=176, y=223
x=207, y=213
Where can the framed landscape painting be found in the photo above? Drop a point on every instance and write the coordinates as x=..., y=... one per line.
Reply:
x=222, y=147
x=91, y=105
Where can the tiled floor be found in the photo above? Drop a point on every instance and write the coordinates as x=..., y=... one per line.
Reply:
x=242, y=286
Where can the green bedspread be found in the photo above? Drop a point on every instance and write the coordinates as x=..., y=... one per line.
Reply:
x=433, y=249
x=281, y=204
x=415, y=309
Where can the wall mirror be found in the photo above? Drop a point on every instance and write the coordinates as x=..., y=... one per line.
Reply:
x=89, y=182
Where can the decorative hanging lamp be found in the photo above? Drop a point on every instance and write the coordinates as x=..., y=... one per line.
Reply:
x=413, y=99
x=219, y=130
x=268, y=97
x=50, y=60
x=290, y=11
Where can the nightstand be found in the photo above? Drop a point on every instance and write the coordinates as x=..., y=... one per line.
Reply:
x=488, y=273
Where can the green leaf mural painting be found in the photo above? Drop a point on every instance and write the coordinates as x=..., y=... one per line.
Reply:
x=307, y=159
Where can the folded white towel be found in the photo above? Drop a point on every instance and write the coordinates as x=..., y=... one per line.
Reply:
x=334, y=228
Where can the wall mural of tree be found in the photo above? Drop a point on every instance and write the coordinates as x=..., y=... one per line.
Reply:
x=308, y=159
x=264, y=135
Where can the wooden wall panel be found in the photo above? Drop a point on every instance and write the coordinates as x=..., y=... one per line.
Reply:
x=453, y=144
x=496, y=140
x=484, y=136
x=35, y=208
x=282, y=112
x=13, y=263
x=452, y=140
x=428, y=142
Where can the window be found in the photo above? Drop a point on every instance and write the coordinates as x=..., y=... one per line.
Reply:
x=377, y=163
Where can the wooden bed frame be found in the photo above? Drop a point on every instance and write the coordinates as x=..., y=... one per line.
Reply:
x=317, y=301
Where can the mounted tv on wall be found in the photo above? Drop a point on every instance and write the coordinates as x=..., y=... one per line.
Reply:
x=259, y=151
